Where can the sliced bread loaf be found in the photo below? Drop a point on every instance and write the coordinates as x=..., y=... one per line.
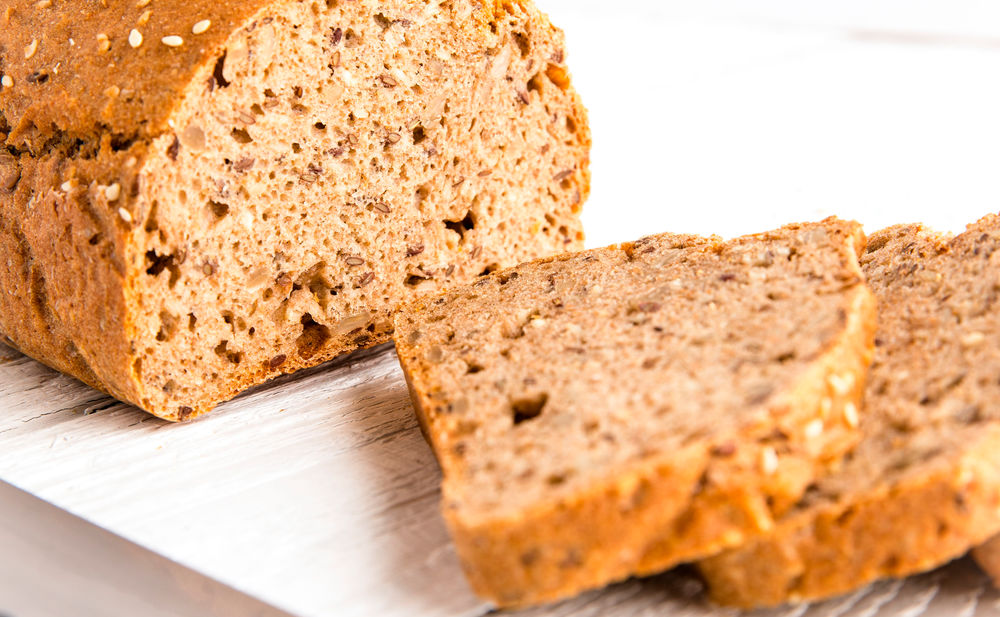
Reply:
x=620, y=410
x=198, y=195
x=923, y=486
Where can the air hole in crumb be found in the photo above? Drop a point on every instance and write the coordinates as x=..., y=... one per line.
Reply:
x=217, y=75
x=418, y=135
x=535, y=83
x=462, y=226
x=319, y=126
x=523, y=44
x=527, y=408
x=296, y=148
x=493, y=267
x=151, y=222
x=168, y=325
x=570, y=124
x=313, y=337
x=241, y=136
x=218, y=210
x=192, y=321
x=156, y=264
x=415, y=279
x=222, y=350
x=257, y=109
x=473, y=368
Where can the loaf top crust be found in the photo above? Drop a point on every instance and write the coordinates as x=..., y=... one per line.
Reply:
x=923, y=486
x=78, y=72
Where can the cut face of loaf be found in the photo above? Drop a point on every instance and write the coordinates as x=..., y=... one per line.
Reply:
x=923, y=486
x=620, y=410
x=202, y=195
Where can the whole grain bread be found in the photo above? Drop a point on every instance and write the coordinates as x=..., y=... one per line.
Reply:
x=987, y=555
x=923, y=486
x=196, y=196
x=619, y=410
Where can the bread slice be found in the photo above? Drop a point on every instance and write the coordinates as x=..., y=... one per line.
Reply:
x=197, y=196
x=620, y=410
x=923, y=486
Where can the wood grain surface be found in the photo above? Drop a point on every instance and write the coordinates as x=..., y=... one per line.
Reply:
x=317, y=494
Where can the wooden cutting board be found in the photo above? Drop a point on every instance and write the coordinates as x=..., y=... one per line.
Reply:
x=317, y=494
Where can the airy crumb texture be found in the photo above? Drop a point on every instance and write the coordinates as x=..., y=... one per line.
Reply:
x=197, y=196
x=923, y=486
x=620, y=410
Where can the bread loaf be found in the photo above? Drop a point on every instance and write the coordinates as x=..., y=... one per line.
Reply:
x=923, y=486
x=196, y=196
x=617, y=411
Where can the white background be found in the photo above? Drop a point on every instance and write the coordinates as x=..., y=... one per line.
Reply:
x=708, y=116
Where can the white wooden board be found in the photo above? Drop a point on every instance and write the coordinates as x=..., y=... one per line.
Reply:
x=317, y=494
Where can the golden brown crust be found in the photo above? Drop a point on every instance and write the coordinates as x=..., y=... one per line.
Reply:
x=703, y=496
x=100, y=84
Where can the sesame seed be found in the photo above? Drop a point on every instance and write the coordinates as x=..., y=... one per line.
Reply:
x=814, y=429
x=172, y=41
x=972, y=339
x=113, y=192
x=30, y=49
x=72, y=42
x=201, y=26
x=144, y=18
x=354, y=261
x=393, y=138
x=6, y=81
x=841, y=384
x=55, y=69
x=103, y=44
x=142, y=3
x=769, y=460
x=135, y=38
x=851, y=415
x=66, y=186
x=43, y=4
x=125, y=214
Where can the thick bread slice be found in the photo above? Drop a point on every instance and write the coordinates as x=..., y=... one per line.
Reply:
x=923, y=486
x=196, y=196
x=585, y=407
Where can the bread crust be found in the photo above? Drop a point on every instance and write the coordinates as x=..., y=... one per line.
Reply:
x=80, y=120
x=674, y=506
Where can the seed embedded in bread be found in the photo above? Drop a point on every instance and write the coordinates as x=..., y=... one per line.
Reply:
x=276, y=164
x=923, y=486
x=617, y=411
